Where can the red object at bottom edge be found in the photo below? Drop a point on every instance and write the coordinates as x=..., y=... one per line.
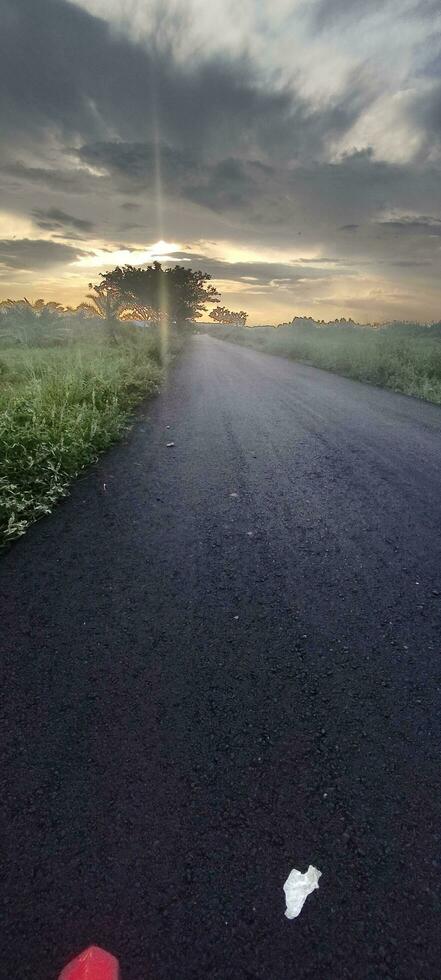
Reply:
x=93, y=964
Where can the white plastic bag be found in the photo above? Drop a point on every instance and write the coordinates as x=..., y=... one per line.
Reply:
x=297, y=888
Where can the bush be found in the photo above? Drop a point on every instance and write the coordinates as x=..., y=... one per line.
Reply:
x=59, y=409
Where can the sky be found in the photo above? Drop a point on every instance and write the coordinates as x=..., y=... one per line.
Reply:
x=290, y=148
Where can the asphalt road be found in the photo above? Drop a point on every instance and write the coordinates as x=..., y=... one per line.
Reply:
x=221, y=661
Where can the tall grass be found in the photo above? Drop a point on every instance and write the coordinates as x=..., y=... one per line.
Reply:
x=59, y=408
x=404, y=357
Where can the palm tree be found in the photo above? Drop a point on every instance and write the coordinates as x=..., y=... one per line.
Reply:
x=30, y=322
x=107, y=305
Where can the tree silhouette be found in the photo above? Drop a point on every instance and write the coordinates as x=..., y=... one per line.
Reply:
x=31, y=322
x=106, y=304
x=176, y=295
x=222, y=315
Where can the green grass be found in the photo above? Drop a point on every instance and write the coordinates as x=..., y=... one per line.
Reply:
x=401, y=356
x=59, y=408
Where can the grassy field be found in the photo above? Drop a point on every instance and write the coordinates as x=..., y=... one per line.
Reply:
x=60, y=406
x=403, y=356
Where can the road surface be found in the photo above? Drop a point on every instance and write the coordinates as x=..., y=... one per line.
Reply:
x=222, y=661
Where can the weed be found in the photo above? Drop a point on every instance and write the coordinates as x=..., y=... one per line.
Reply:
x=59, y=408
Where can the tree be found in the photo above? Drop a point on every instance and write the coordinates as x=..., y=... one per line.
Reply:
x=222, y=315
x=178, y=295
x=31, y=323
x=84, y=311
x=107, y=304
x=30, y=313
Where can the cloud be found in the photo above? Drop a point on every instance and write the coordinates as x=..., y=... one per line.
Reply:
x=66, y=181
x=57, y=65
x=226, y=184
x=66, y=72
x=138, y=163
x=288, y=128
x=409, y=264
x=52, y=219
x=408, y=225
x=261, y=273
x=327, y=13
x=37, y=254
x=229, y=184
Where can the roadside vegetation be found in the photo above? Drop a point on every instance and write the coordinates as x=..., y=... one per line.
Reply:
x=71, y=378
x=59, y=408
x=403, y=356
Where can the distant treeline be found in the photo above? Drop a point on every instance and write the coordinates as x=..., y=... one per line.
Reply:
x=404, y=327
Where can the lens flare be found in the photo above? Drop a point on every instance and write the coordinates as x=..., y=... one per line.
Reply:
x=164, y=317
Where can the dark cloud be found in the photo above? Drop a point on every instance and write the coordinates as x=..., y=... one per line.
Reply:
x=421, y=225
x=52, y=219
x=70, y=235
x=426, y=108
x=262, y=273
x=131, y=226
x=66, y=181
x=57, y=65
x=140, y=163
x=267, y=195
x=327, y=13
x=213, y=129
x=227, y=144
x=66, y=72
x=409, y=264
x=228, y=184
x=321, y=261
x=26, y=253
